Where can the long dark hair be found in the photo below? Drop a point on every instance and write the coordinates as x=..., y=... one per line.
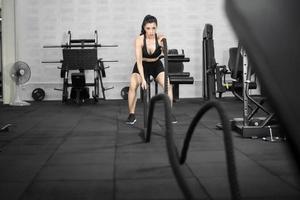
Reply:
x=148, y=19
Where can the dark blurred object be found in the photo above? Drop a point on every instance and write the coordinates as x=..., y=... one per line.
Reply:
x=269, y=31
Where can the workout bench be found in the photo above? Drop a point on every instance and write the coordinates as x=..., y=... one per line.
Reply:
x=176, y=74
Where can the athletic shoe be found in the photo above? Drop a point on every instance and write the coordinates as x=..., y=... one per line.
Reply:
x=131, y=119
x=173, y=119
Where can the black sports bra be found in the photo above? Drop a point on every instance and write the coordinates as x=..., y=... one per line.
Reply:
x=157, y=51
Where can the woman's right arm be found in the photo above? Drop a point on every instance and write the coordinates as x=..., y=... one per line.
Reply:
x=139, y=60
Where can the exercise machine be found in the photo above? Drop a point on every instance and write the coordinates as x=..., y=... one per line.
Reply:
x=81, y=55
x=250, y=125
x=208, y=63
x=242, y=81
x=214, y=75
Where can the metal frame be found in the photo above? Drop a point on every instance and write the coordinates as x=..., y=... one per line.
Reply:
x=209, y=64
x=262, y=126
x=82, y=47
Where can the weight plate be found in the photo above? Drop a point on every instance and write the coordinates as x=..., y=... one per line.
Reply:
x=124, y=93
x=38, y=94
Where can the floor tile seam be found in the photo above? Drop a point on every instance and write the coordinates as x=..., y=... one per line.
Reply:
x=158, y=164
x=148, y=178
x=70, y=180
x=269, y=196
x=20, y=135
x=108, y=153
x=50, y=156
x=213, y=131
x=267, y=169
x=23, y=113
x=151, y=178
x=260, y=165
x=118, y=113
x=137, y=151
x=80, y=164
x=13, y=181
x=202, y=186
x=45, y=145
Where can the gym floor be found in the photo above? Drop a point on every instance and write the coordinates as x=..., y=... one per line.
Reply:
x=58, y=151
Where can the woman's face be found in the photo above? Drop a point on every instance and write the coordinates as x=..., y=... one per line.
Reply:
x=150, y=29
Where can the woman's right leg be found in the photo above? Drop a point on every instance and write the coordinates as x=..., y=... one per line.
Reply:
x=135, y=81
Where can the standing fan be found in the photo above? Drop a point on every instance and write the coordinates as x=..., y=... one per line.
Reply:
x=20, y=74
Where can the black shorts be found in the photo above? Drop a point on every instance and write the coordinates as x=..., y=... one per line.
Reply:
x=150, y=68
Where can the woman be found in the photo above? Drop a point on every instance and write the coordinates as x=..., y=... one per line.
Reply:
x=147, y=51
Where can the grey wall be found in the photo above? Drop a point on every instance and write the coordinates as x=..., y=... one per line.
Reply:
x=8, y=47
x=41, y=22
